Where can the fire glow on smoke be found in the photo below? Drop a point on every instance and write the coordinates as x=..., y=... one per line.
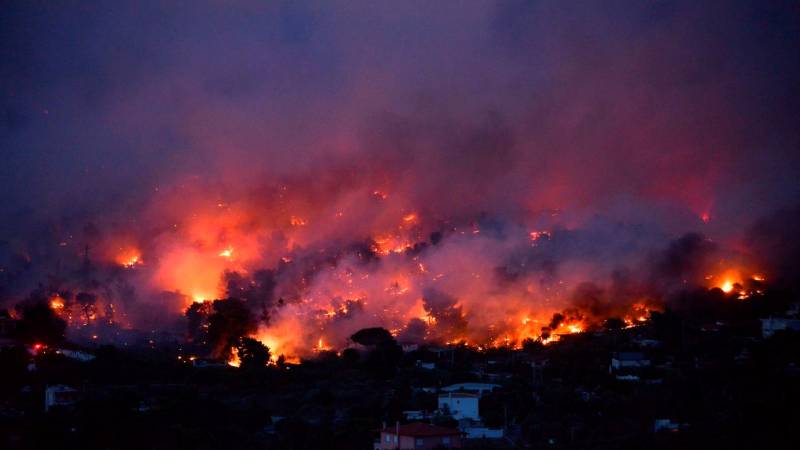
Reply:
x=422, y=278
x=484, y=173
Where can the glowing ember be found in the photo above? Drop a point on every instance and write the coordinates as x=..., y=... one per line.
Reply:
x=410, y=217
x=536, y=235
x=227, y=253
x=726, y=286
x=56, y=303
x=129, y=258
x=234, y=360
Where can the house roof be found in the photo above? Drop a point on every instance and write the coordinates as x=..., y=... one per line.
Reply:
x=419, y=429
x=471, y=387
x=458, y=395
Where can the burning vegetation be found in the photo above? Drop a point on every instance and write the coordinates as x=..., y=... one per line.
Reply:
x=296, y=288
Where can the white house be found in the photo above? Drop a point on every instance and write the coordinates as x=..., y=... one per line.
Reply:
x=478, y=388
x=772, y=325
x=460, y=405
x=627, y=360
x=59, y=395
x=76, y=354
x=481, y=432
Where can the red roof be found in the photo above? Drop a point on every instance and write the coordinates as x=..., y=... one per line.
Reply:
x=418, y=429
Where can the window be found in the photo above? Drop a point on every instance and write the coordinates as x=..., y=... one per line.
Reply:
x=388, y=438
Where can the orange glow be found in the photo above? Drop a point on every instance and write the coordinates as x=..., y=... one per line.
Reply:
x=410, y=217
x=387, y=244
x=297, y=221
x=56, y=303
x=129, y=258
x=726, y=286
x=536, y=235
x=234, y=360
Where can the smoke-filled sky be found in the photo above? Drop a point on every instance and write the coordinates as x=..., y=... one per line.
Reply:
x=177, y=130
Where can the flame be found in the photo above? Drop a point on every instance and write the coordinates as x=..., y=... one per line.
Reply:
x=129, y=258
x=412, y=217
x=536, y=235
x=227, y=253
x=234, y=360
x=56, y=303
x=726, y=286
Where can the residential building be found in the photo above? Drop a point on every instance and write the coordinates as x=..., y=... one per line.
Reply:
x=477, y=388
x=418, y=436
x=627, y=360
x=59, y=396
x=459, y=405
x=772, y=325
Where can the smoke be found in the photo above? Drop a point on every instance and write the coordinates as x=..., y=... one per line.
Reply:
x=444, y=172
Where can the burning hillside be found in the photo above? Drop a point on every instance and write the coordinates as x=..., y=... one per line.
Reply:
x=253, y=268
x=484, y=174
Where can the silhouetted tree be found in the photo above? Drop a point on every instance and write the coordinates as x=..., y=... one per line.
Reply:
x=88, y=304
x=39, y=323
x=230, y=321
x=252, y=353
x=370, y=337
x=613, y=324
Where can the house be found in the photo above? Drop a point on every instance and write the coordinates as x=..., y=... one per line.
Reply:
x=627, y=360
x=772, y=325
x=416, y=415
x=59, y=396
x=418, y=436
x=482, y=432
x=459, y=405
x=425, y=365
x=76, y=354
x=477, y=388
x=666, y=425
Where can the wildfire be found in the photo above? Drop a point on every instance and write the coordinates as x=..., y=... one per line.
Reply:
x=321, y=345
x=536, y=235
x=726, y=286
x=234, y=360
x=297, y=221
x=56, y=303
x=129, y=259
x=385, y=245
x=733, y=281
x=227, y=253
